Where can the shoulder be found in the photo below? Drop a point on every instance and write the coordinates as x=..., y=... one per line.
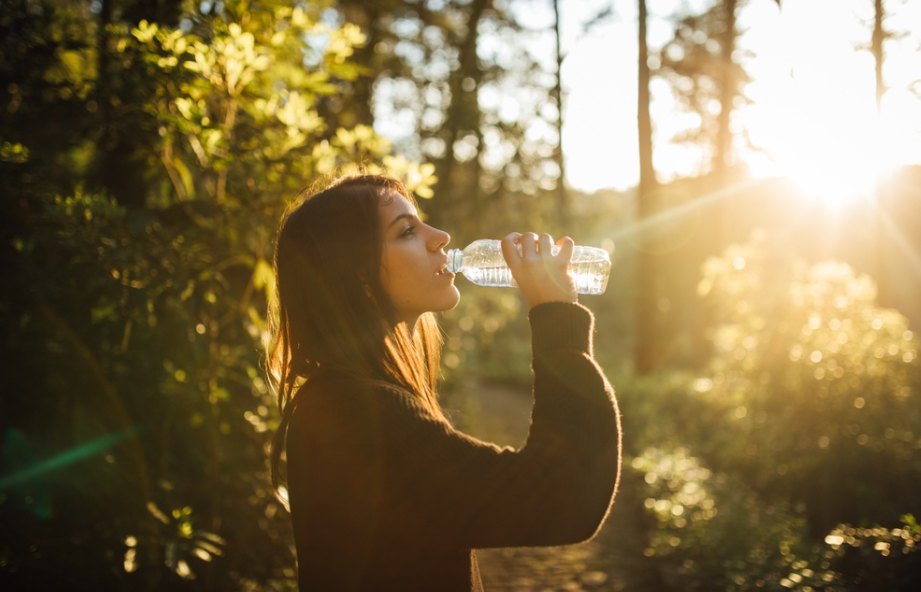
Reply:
x=358, y=421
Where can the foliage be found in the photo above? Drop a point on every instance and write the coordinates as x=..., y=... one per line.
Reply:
x=456, y=84
x=876, y=558
x=135, y=455
x=705, y=80
x=712, y=531
x=241, y=97
x=146, y=153
x=815, y=377
x=481, y=336
x=775, y=469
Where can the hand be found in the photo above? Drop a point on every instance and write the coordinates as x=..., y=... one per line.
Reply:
x=541, y=275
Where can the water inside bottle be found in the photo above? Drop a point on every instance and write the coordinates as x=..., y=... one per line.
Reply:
x=589, y=277
x=482, y=263
x=491, y=276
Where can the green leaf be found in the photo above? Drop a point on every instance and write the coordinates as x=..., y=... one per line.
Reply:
x=264, y=279
x=186, y=177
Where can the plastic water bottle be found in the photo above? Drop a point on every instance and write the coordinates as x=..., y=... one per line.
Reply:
x=482, y=263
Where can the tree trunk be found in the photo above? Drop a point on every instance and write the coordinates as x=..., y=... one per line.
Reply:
x=879, y=35
x=876, y=48
x=462, y=114
x=722, y=157
x=728, y=91
x=116, y=168
x=647, y=338
x=366, y=16
x=562, y=195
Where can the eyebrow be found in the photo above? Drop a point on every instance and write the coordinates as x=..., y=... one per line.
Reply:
x=408, y=216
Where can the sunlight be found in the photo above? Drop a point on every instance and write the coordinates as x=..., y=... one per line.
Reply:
x=814, y=114
x=837, y=149
x=821, y=131
x=836, y=168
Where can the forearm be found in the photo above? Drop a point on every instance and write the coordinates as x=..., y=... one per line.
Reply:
x=575, y=422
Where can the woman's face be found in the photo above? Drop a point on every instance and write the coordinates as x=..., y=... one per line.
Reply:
x=413, y=262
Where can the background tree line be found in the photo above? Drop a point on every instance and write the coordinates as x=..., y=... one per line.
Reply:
x=148, y=150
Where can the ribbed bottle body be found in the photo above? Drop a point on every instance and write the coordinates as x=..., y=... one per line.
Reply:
x=482, y=263
x=491, y=276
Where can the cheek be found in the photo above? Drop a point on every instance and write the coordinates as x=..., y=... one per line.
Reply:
x=397, y=263
x=392, y=274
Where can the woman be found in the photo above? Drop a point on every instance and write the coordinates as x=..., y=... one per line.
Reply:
x=384, y=493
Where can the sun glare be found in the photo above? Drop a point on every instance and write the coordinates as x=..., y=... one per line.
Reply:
x=835, y=146
x=814, y=114
x=811, y=114
x=835, y=158
x=819, y=129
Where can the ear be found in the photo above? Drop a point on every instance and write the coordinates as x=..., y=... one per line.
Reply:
x=366, y=285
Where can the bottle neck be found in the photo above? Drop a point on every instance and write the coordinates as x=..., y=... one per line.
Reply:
x=455, y=260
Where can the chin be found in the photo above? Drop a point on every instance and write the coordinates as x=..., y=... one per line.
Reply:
x=448, y=302
x=456, y=298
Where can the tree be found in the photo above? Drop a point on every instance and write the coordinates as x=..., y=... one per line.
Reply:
x=646, y=334
x=702, y=64
x=376, y=56
x=876, y=48
x=705, y=69
x=461, y=129
x=455, y=85
x=122, y=133
x=134, y=452
x=562, y=197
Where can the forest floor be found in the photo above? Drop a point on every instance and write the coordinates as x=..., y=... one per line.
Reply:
x=501, y=414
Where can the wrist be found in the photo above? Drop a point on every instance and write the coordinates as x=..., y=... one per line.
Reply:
x=561, y=325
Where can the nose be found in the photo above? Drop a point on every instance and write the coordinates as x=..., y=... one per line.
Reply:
x=439, y=239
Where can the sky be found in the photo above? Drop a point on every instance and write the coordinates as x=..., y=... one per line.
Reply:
x=813, y=115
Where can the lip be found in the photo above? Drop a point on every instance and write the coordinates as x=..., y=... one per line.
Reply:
x=442, y=270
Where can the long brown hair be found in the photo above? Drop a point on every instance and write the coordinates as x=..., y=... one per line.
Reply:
x=331, y=311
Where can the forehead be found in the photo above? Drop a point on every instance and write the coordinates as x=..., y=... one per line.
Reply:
x=393, y=205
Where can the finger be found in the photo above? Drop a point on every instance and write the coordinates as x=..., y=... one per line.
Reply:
x=528, y=243
x=510, y=249
x=546, y=245
x=566, y=247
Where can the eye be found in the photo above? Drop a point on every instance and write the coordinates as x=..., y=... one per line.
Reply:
x=409, y=230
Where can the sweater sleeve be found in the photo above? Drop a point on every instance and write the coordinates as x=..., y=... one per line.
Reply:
x=424, y=480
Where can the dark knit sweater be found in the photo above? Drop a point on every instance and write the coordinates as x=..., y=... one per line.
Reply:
x=385, y=496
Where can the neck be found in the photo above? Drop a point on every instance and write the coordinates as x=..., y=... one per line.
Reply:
x=410, y=325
